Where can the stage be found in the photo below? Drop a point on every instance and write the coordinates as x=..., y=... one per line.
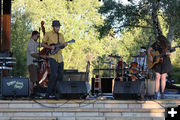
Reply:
x=99, y=108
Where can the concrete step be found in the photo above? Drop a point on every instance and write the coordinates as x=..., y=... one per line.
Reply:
x=81, y=112
x=78, y=118
x=88, y=104
x=84, y=109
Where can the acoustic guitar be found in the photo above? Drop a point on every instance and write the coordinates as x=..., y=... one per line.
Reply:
x=157, y=57
x=58, y=46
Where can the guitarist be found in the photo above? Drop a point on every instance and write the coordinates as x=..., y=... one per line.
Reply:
x=164, y=66
x=55, y=60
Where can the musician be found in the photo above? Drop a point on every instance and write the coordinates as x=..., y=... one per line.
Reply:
x=55, y=60
x=141, y=59
x=162, y=45
x=32, y=54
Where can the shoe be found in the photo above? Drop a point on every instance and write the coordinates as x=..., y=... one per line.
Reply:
x=156, y=96
x=162, y=95
x=49, y=96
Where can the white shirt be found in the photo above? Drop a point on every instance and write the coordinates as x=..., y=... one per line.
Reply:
x=31, y=48
x=142, y=62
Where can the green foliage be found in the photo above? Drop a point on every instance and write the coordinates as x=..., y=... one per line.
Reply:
x=80, y=20
x=174, y=75
x=20, y=36
x=120, y=16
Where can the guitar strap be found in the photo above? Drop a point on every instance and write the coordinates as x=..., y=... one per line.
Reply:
x=58, y=37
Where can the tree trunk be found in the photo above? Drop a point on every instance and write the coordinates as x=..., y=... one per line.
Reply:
x=156, y=25
x=170, y=35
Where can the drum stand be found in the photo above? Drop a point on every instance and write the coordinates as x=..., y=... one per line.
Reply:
x=5, y=61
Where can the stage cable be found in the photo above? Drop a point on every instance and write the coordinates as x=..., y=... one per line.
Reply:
x=60, y=106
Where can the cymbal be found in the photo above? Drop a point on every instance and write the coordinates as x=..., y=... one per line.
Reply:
x=7, y=58
x=104, y=69
x=119, y=69
x=5, y=68
x=138, y=56
x=114, y=56
x=108, y=62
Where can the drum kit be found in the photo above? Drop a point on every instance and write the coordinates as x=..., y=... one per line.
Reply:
x=125, y=72
x=6, y=65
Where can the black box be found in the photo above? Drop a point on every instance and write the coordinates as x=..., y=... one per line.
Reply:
x=129, y=89
x=15, y=86
x=72, y=89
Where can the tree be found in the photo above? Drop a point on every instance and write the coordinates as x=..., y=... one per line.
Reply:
x=120, y=16
x=77, y=19
x=21, y=33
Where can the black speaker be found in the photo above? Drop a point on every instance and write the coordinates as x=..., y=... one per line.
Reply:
x=75, y=76
x=71, y=90
x=15, y=86
x=129, y=90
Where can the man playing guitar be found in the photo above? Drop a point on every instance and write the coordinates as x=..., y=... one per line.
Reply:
x=55, y=60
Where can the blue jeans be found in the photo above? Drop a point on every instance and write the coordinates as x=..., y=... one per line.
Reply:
x=56, y=74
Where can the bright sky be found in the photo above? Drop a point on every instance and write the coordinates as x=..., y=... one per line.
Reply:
x=124, y=1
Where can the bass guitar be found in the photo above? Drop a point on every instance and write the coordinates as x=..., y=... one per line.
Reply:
x=156, y=57
x=58, y=46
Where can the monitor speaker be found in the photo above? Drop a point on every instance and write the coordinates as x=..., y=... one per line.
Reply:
x=129, y=89
x=15, y=86
x=75, y=76
x=71, y=90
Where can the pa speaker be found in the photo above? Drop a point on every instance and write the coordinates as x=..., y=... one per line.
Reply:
x=75, y=76
x=71, y=90
x=15, y=86
x=129, y=89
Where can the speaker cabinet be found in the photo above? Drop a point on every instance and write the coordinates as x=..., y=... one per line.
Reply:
x=129, y=90
x=71, y=90
x=15, y=86
x=75, y=76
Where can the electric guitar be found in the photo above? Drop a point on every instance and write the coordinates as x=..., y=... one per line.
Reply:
x=156, y=57
x=58, y=46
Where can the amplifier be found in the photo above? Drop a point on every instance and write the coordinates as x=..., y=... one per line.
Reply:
x=15, y=86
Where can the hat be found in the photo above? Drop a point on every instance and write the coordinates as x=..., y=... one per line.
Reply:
x=142, y=49
x=56, y=23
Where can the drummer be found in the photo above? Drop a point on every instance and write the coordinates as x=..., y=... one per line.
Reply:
x=141, y=59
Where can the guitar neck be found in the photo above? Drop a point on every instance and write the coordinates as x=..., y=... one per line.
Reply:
x=161, y=55
x=164, y=53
